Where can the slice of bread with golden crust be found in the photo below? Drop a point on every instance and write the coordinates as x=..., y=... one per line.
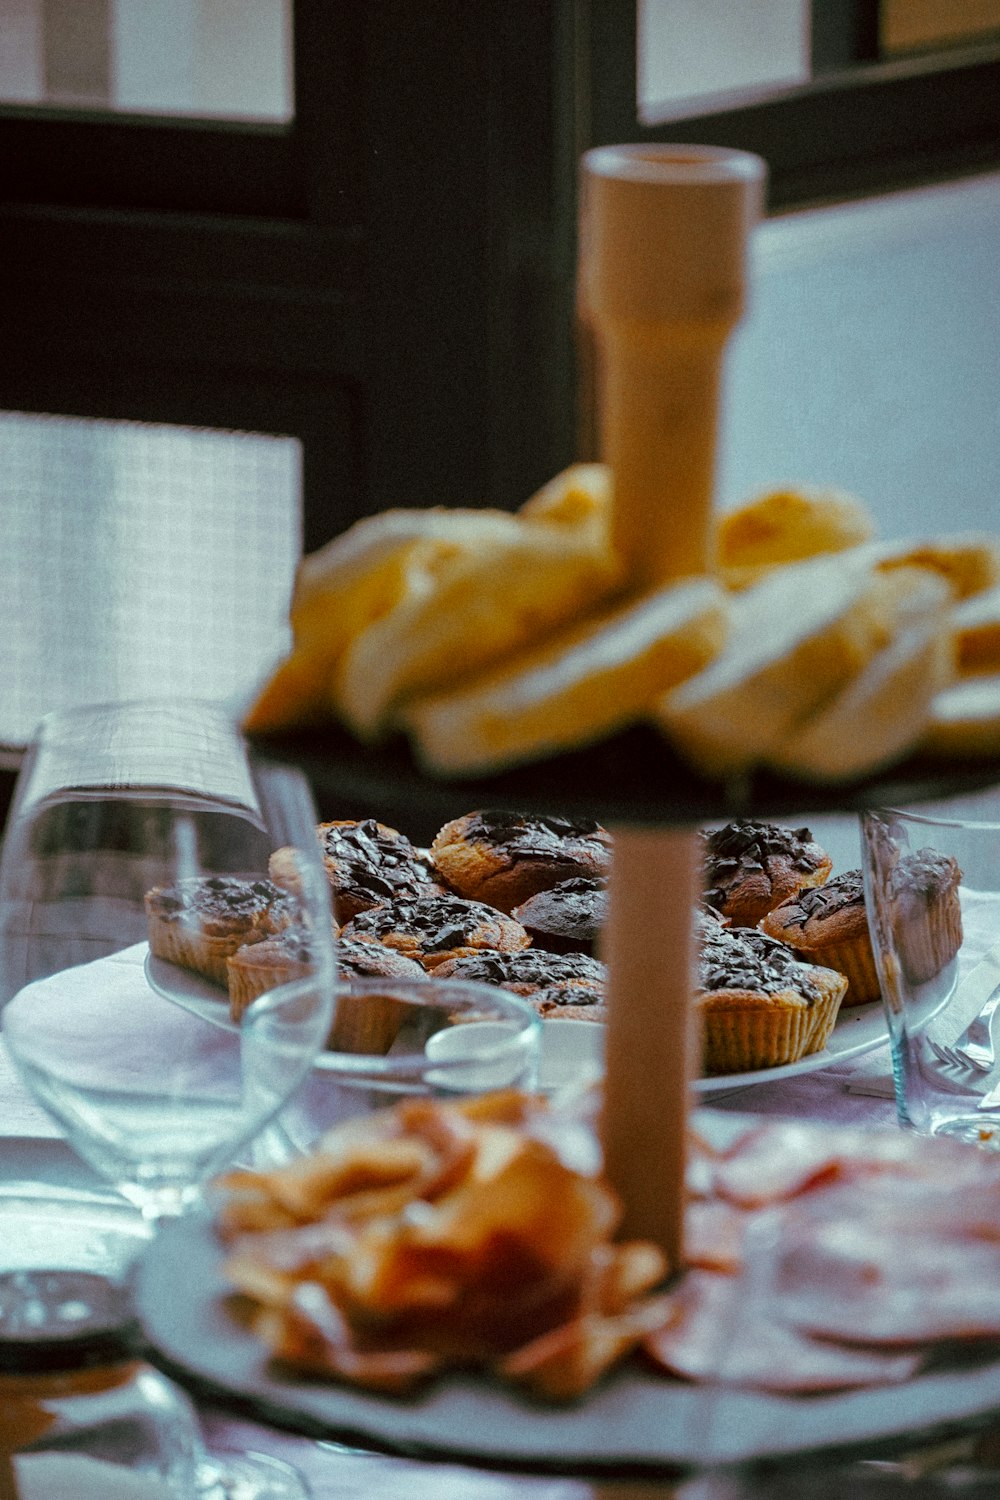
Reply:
x=968, y=560
x=796, y=640
x=583, y=684
x=785, y=526
x=882, y=712
x=475, y=609
x=976, y=627
x=964, y=720
x=419, y=575
x=579, y=497
x=357, y=578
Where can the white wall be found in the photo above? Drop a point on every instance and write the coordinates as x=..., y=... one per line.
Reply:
x=870, y=358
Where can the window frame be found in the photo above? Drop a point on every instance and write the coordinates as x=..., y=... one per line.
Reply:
x=390, y=278
x=861, y=127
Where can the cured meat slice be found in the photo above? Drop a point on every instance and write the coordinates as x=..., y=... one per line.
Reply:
x=873, y=1284
x=718, y=1334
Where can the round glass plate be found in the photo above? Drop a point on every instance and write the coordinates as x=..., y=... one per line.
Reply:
x=571, y=1051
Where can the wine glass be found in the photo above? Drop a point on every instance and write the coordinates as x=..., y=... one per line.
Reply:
x=136, y=864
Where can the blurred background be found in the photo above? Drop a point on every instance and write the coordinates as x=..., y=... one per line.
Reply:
x=271, y=265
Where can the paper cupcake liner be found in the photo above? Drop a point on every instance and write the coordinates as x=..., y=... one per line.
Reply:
x=366, y=1024
x=929, y=939
x=856, y=961
x=191, y=949
x=742, y=1040
x=255, y=970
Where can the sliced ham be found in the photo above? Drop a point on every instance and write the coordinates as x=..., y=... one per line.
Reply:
x=717, y=1333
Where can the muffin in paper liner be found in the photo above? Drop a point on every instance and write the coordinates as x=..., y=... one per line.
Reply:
x=928, y=915
x=829, y=926
x=258, y=967
x=367, y=1023
x=200, y=922
x=856, y=961
x=760, y=1007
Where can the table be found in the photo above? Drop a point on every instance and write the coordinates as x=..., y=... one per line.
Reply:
x=850, y=1093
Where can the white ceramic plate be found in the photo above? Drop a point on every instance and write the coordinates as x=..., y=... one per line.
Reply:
x=571, y=1050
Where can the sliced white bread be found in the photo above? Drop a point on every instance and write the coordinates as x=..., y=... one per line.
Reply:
x=576, y=688
x=578, y=497
x=976, y=625
x=796, y=640
x=785, y=526
x=883, y=711
x=361, y=575
x=964, y=719
x=389, y=561
x=968, y=560
x=476, y=609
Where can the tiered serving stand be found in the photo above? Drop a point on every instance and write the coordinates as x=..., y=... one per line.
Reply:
x=662, y=277
x=635, y=1422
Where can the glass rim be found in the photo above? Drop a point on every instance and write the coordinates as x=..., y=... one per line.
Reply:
x=415, y=1064
x=931, y=820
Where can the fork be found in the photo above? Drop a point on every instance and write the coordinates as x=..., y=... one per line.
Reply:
x=974, y=1048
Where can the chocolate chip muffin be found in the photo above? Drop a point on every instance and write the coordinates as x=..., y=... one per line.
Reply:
x=750, y=868
x=366, y=864
x=358, y=960
x=758, y=1004
x=200, y=922
x=828, y=925
x=366, y=1017
x=258, y=967
x=568, y=918
x=433, y=929
x=927, y=914
x=569, y=986
x=503, y=858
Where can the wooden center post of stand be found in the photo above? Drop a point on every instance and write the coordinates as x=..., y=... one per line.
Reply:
x=664, y=232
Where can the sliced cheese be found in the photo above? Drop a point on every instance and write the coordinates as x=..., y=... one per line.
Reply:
x=478, y=609
x=965, y=719
x=883, y=711
x=784, y=526
x=589, y=682
x=795, y=640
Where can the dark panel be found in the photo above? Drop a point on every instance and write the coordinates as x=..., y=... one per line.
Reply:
x=843, y=34
x=137, y=163
x=849, y=136
x=469, y=251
